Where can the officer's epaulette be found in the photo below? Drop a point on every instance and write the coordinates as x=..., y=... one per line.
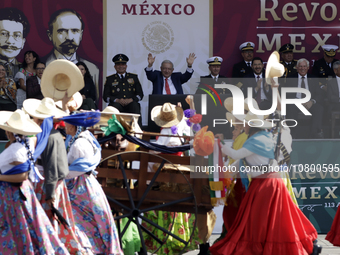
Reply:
x=132, y=73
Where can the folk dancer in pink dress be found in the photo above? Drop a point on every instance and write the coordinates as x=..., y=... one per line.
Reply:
x=92, y=212
x=52, y=192
x=24, y=226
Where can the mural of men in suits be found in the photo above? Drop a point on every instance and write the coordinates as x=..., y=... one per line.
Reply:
x=65, y=31
x=14, y=27
x=166, y=82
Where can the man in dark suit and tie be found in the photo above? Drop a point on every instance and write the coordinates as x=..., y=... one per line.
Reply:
x=333, y=90
x=33, y=89
x=315, y=105
x=166, y=82
x=262, y=92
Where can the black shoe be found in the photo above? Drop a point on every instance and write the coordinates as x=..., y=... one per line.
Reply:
x=204, y=249
x=316, y=248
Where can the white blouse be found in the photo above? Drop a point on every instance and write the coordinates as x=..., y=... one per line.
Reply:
x=182, y=129
x=81, y=148
x=15, y=152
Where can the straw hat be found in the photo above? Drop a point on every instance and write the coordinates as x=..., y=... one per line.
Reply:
x=233, y=119
x=228, y=104
x=167, y=115
x=61, y=76
x=122, y=117
x=18, y=122
x=246, y=107
x=255, y=120
x=42, y=109
x=75, y=102
x=274, y=68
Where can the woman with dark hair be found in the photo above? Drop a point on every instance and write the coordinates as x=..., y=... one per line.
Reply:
x=29, y=65
x=89, y=90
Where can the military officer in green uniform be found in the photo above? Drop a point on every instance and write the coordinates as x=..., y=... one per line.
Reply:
x=123, y=90
x=287, y=59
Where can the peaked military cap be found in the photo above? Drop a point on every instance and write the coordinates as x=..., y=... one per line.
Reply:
x=247, y=46
x=214, y=61
x=286, y=48
x=330, y=50
x=120, y=58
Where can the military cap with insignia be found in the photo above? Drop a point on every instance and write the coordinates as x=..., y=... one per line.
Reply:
x=214, y=61
x=286, y=48
x=330, y=50
x=247, y=46
x=120, y=58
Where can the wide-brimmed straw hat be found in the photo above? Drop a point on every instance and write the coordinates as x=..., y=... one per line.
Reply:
x=166, y=115
x=232, y=119
x=254, y=120
x=18, y=122
x=122, y=117
x=228, y=104
x=75, y=102
x=42, y=109
x=274, y=68
x=61, y=76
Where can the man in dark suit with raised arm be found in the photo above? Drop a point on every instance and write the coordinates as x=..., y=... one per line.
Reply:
x=315, y=105
x=166, y=82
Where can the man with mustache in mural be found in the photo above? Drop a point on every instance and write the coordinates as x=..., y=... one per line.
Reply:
x=14, y=28
x=65, y=31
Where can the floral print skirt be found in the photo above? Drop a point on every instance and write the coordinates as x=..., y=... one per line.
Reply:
x=24, y=226
x=92, y=214
x=74, y=240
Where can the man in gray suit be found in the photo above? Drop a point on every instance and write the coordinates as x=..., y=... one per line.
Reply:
x=65, y=31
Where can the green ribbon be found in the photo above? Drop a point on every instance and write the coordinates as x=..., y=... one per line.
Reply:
x=114, y=126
